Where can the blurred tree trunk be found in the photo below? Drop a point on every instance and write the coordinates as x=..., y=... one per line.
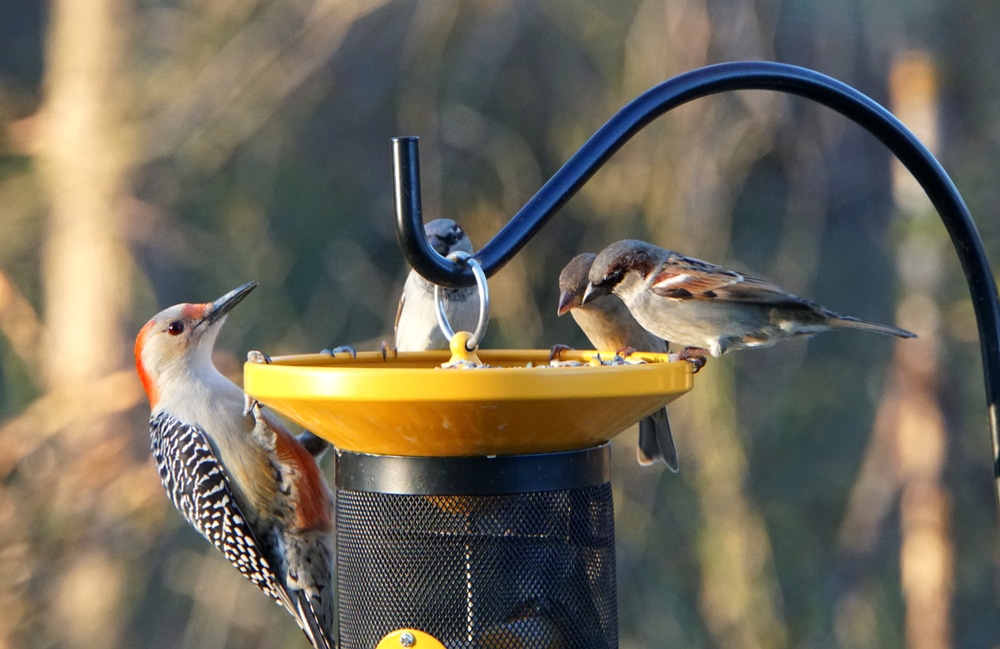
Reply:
x=86, y=264
x=740, y=594
x=927, y=553
x=906, y=454
x=86, y=280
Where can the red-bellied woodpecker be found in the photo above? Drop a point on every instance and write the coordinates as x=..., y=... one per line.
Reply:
x=234, y=472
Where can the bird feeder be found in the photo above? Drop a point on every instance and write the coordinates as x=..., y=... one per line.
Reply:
x=473, y=493
x=474, y=507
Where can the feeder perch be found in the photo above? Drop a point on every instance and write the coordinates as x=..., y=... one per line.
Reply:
x=408, y=405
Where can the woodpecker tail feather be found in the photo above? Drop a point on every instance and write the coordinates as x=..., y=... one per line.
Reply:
x=309, y=576
x=317, y=635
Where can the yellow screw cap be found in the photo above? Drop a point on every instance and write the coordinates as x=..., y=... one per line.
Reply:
x=407, y=638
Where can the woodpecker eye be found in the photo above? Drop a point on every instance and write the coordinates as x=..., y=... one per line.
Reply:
x=175, y=328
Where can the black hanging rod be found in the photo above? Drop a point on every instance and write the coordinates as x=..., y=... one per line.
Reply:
x=745, y=75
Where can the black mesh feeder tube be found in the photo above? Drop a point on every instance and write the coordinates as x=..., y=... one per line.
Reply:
x=473, y=505
x=504, y=552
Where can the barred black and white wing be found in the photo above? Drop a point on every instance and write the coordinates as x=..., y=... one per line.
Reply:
x=199, y=487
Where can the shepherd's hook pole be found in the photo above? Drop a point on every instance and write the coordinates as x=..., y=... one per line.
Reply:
x=744, y=75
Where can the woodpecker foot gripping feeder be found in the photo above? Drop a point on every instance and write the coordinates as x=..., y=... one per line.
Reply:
x=474, y=507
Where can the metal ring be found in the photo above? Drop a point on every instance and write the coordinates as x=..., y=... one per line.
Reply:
x=484, y=302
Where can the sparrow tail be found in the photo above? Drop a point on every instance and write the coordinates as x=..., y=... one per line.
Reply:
x=849, y=322
x=656, y=442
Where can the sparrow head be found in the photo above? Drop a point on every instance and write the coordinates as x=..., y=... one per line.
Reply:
x=573, y=282
x=446, y=237
x=620, y=261
x=178, y=341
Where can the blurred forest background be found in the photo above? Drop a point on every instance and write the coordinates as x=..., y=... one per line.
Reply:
x=833, y=493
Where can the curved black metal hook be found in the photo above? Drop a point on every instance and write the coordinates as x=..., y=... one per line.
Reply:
x=747, y=75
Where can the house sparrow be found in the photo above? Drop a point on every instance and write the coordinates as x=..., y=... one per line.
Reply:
x=416, y=317
x=708, y=308
x=608, y=325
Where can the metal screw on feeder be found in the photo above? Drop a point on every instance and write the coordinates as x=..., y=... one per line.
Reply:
x=409, y=638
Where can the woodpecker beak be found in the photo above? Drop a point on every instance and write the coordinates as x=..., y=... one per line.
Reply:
x=225, y=304
x=593, y=292
x=567, y=302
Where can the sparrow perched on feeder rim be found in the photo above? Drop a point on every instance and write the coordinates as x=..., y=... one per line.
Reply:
x=708, y=308
x=416, y=327
x=609, y=326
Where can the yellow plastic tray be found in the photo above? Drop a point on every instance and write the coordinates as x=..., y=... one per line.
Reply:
x=408, y=405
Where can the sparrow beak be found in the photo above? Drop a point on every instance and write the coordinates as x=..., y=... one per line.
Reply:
x=592, y=293
x=225, y=304
x=567, y=302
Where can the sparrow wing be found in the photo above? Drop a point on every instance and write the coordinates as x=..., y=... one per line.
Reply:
x=686, y=278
